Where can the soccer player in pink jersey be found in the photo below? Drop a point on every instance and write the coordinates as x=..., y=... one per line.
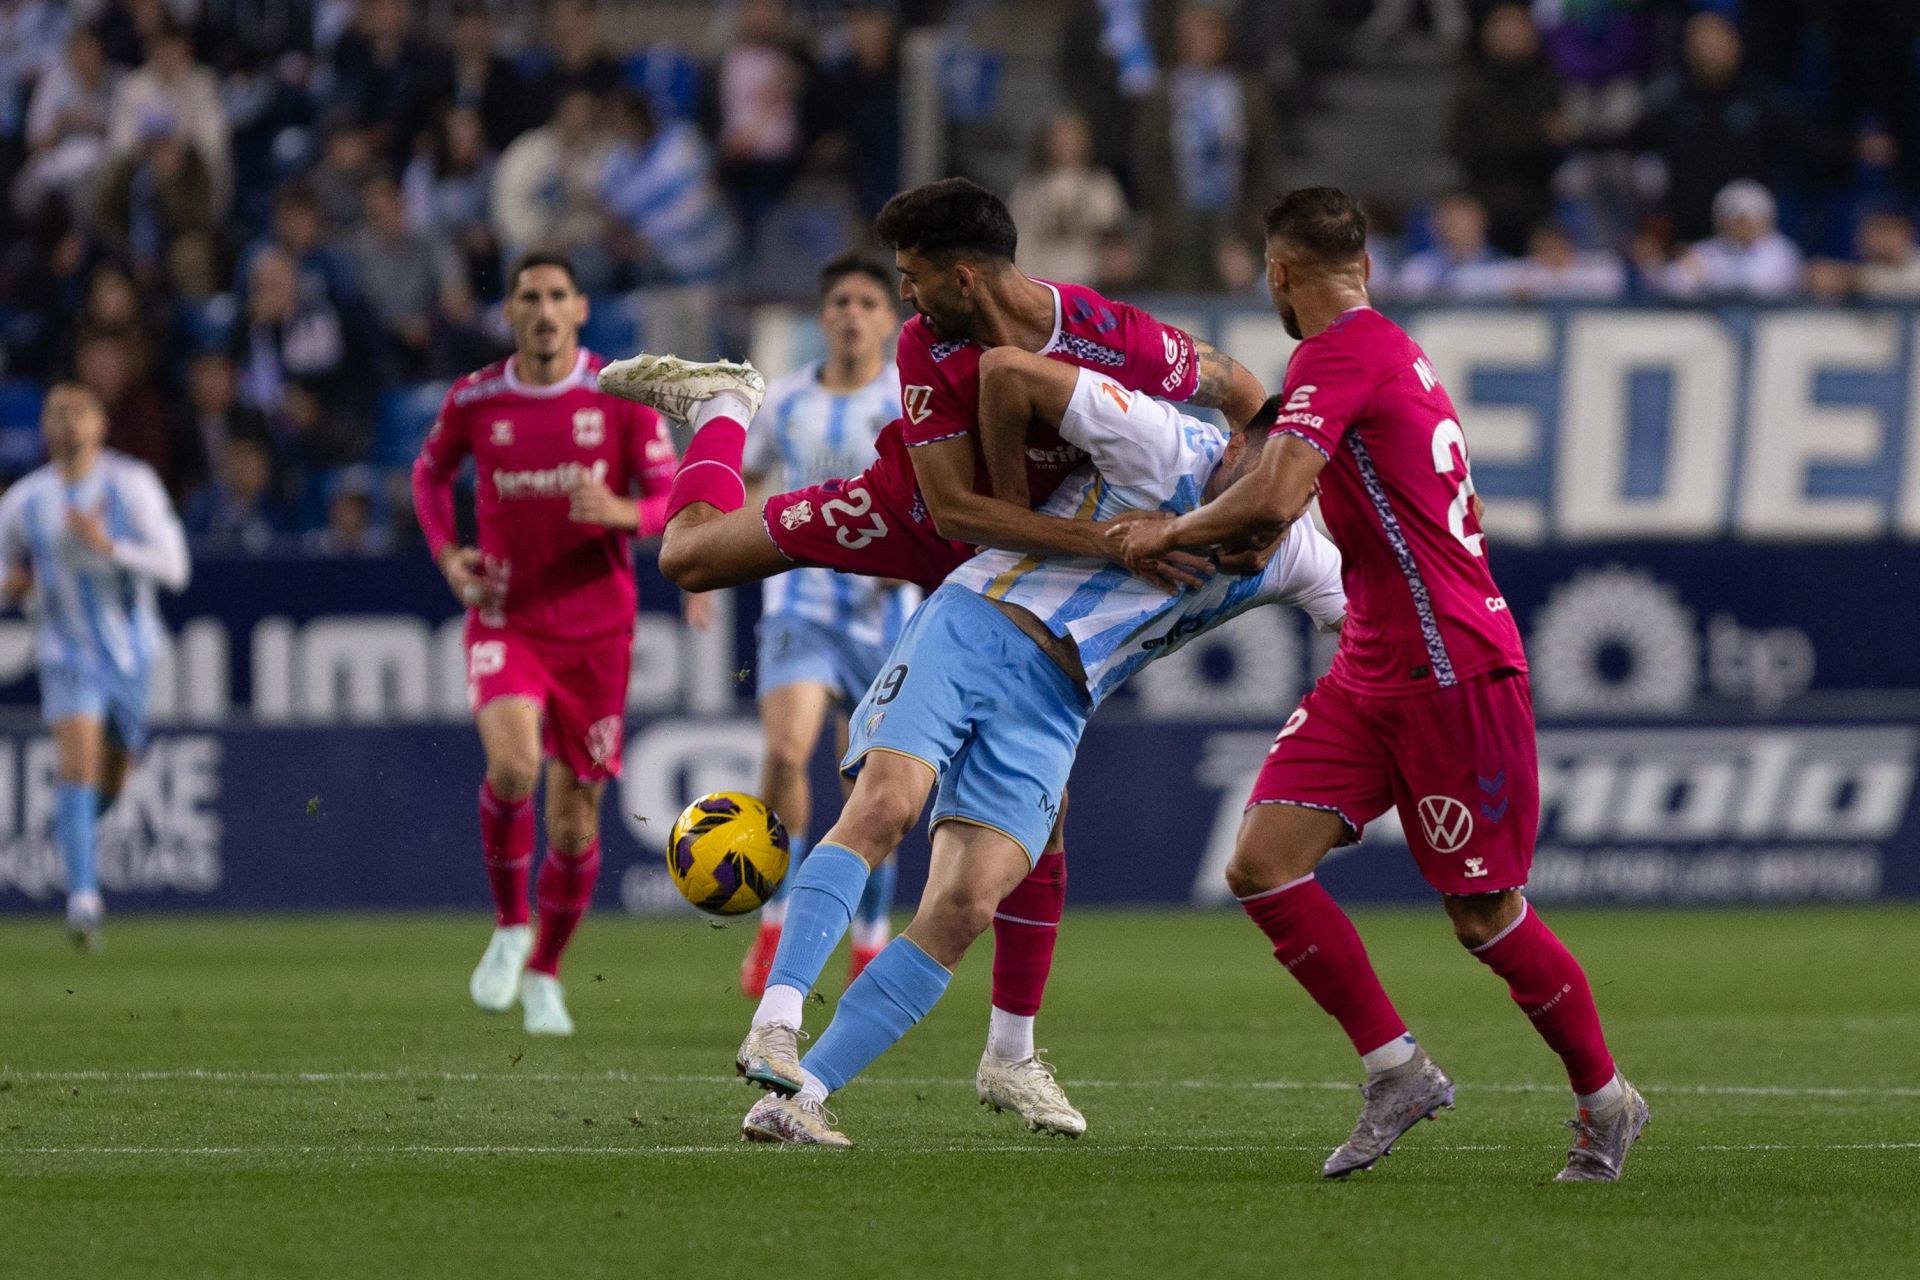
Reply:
x=566, y=477
x=1426, y=707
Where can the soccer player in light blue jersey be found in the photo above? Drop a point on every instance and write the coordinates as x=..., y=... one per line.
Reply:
x=88, y=537
x=986, y=694
x=823, y=635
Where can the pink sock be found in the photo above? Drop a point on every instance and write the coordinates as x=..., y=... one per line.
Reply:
x=1024, y=930
x=710, y=471
x=1317, y=944
x=564, y=889
x=1551, y=988
x=506, y=844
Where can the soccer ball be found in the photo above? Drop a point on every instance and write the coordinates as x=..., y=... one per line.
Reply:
x=727, y=853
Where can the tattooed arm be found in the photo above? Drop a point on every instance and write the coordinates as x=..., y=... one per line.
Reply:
x=1227, y=385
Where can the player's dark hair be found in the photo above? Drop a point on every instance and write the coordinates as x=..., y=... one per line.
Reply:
x=854, y=264
x=1324, y=223
x=949, y=219
x=1265, y=416
x=527, y=262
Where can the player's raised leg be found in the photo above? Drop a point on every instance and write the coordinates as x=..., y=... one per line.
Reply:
x=887, y=798
x=973, y=868
x=792, y=714
x=79, y=746
x=509, y=728
x=1272, y=874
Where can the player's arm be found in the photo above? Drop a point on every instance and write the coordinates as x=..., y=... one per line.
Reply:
x=157, y=548
x=17, y=581
x=1258, y=506
x=945, y=472
x=447, y=446
x=1227, y=385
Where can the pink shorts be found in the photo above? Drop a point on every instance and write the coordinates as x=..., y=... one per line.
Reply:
x=1460, y=764
x=580, y=688
x=874, y=525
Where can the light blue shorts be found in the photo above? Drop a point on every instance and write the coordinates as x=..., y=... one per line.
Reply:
x=967, y=693
x=116, y=699
x=795, y=650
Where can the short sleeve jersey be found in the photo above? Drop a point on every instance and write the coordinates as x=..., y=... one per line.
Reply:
x=1397, y=497
x=940, y=379
x=558, y=578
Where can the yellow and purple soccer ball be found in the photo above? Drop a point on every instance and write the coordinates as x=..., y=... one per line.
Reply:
x=727, y=853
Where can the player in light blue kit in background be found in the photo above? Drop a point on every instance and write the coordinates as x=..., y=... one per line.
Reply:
x=87, y=538
x=823, y=635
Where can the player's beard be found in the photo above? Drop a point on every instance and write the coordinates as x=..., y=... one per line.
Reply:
x=1290, y=321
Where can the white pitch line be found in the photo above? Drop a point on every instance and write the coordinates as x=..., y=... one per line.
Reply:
x=428, y=1149
x=908, y=1082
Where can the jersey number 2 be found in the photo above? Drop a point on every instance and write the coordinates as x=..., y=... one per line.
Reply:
x=856, y=504
x=1446, y=437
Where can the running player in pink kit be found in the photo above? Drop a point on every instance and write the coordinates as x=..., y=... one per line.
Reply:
x=1426, y=708
x=916, y=514
x=551, y=600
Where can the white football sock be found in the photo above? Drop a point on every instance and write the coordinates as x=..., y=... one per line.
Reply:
x=721, y=404
x=1009, y=1036
x=780, y=1004
x=1606, y=1098
x=811, y=1089
x=1397, y=1052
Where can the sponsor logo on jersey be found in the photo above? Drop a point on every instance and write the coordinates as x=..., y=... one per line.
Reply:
x=1445, y=822
x=917, y=401
x=589, y=428
x=502, y=431
x=1065, y=455
x=1496, y=604
x=1302, y=397
x=796, y=515
x=603, y=740
x=1296, y=419
x=1476, y=867
x=548, y=482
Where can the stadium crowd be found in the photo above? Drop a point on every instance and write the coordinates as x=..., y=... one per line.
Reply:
x=264, y=235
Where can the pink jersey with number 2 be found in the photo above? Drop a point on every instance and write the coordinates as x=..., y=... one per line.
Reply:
x=1423, y=612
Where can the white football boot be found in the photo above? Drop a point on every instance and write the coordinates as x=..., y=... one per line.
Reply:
x=545, y=1003
x=1026, y=1087
x=806, y=1123
x=496, y=979
x=674, y=386
x=1395, y=1101
x=1603, y=1139
x=84, y=913
x=770, y=1057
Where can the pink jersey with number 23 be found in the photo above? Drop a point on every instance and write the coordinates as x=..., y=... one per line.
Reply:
x=1422, y=608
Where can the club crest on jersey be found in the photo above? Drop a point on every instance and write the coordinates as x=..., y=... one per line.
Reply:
x=917, y=401
x=503, y=431
x=589, y=428
x=874, y=721
x=603, y=739
x=486, y=658
x=796, y=515
x=1445, y=822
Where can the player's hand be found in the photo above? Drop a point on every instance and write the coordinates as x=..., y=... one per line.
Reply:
x=697, y=608
x=1250, y=558
x=1142, y=541
x=89, y=528
x=465, y=570
x=593, y=503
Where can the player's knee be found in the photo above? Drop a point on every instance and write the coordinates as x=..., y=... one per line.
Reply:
x=1480, y=918
x=1257, y=868
x=513, y=777
x=569, y=837
x=1003, y=364
x=959, y=913
x=878, y=820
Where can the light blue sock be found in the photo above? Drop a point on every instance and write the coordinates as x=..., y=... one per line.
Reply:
x=898, y=989
x=75, y=807
x=776, y=908
x=818, y=912
x=877, y=900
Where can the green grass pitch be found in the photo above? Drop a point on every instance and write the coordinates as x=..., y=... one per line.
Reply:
x=315, y=1097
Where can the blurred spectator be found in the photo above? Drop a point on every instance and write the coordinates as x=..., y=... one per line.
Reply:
x=1556, y=270
x=113, y=304
x=762, y=85
x=160, y=192
x=387, y=77
x=659, y=184
x=236, y=511
x=1718, y=122
x=485, y=83
x=1746, y=257
x=106, y=364
x=294, y=363
x=350, y=529
x=347, y=160
x=212, y=417
x=860, y=91
x=1072, y=217
x=1600, y=48
x=1390, y=21
x=67, y=127
x=1108, y=65
x=1889, y=260
x=170, y=87
x=296, y=230
x=575, y=60
x=43, y=277
x=1461, y=264
x=1509, y=126
x=32, y=33
x=546, y=190
x=415, y=280
x=447, y=189
x=1203, y=163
